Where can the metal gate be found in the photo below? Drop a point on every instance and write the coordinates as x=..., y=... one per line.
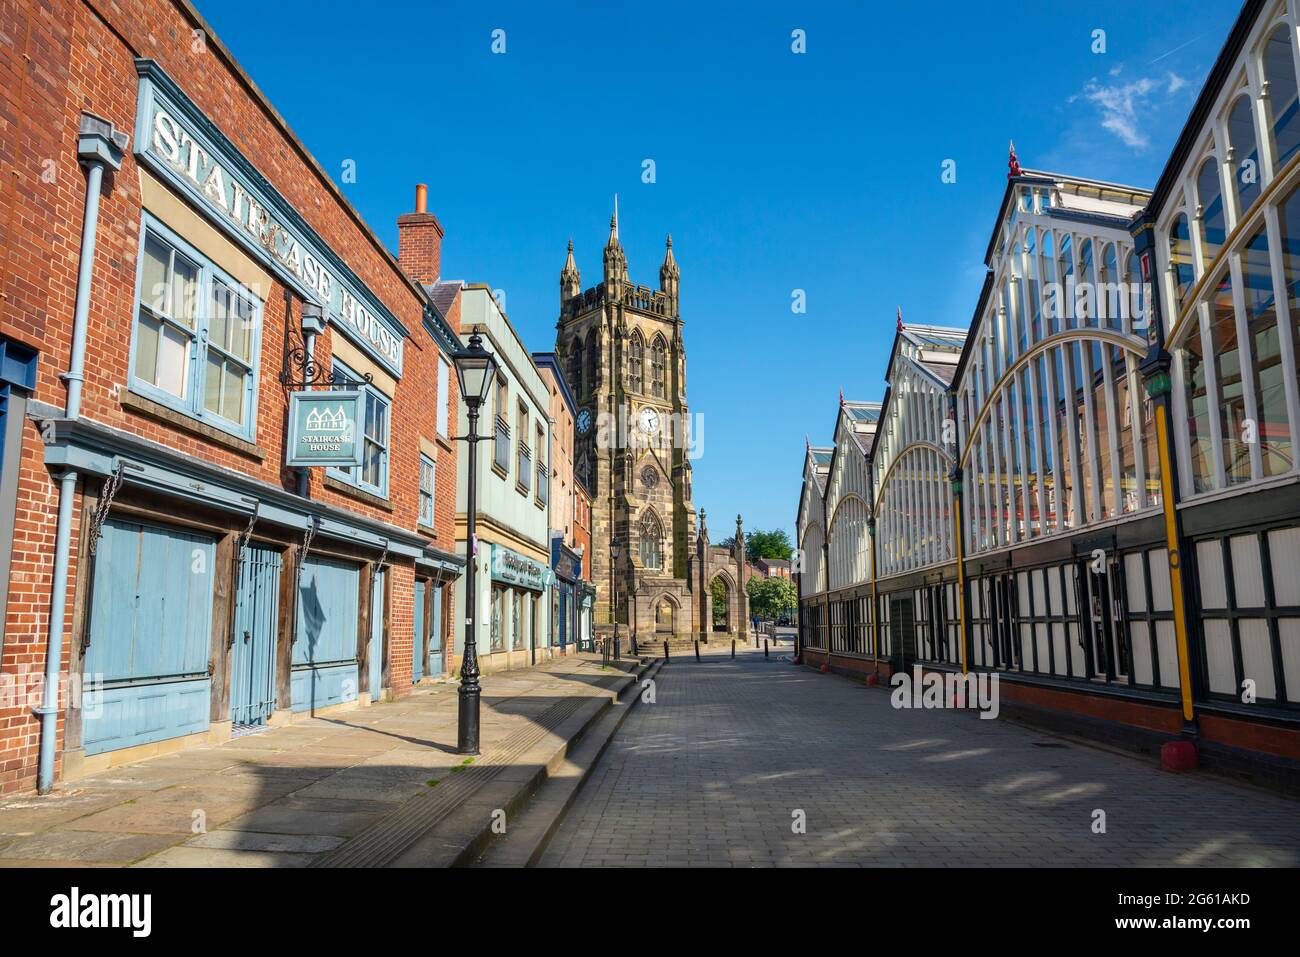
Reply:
x=252, y=667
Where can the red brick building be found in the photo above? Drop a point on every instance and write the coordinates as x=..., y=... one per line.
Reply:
x=174, y=266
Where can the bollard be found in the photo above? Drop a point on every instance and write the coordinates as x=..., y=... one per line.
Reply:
x=665, y=649
x=764, y=647
x=697, y=652
x=635, y=653
x=733, y=647
x=755, y=639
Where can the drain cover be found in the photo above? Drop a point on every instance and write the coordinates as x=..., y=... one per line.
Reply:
x=1048, y=744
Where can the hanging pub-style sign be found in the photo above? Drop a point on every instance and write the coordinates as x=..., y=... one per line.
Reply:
x=324, y=428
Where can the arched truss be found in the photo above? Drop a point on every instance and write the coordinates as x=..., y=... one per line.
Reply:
x=850, y=542
x=1130, y=344
x=1050, y=464
x=914, y=510
x=812, y=576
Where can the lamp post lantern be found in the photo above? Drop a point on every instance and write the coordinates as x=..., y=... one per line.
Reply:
x=475, y=369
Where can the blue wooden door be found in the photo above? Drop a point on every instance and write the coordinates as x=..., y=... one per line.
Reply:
x=325, y=649
x=436, y=664
x=252, y=667
x=150, y=636
x=376, y=654
x=417, y=644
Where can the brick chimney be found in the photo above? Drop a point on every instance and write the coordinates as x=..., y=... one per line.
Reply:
x=419, y=240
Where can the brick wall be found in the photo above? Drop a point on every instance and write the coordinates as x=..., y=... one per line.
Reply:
x=57, y=58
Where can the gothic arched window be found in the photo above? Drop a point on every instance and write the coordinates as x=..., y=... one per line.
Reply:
x=593, y=362
x=652, y=533
x=575, y=366
x=658, y=363
x=635, y=360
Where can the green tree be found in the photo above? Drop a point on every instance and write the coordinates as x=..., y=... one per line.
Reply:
x=773, y=543
x=718, y=591
x=771, y=597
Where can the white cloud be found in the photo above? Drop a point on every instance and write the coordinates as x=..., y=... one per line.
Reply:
x=1122, y=106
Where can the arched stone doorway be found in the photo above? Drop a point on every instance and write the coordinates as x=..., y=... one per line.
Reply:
x=665, y=617
x=720, y=592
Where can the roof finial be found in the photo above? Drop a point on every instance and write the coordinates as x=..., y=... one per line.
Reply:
x=1013, y=164
x=807, y=443
x=900, y=318
x=841, y=395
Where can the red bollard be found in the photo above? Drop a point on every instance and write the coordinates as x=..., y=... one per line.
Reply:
x=1178, y=756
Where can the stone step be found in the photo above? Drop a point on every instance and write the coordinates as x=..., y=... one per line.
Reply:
x=531, y=827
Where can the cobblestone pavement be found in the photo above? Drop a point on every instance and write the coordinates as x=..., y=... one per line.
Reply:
x=713, y=773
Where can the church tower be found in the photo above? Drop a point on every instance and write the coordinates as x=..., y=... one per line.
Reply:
x=621, y=345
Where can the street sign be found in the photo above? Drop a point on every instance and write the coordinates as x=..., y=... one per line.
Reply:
x=324, y=428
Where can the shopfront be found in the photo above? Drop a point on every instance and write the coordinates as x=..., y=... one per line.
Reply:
x=518, y=632
x=566, y=598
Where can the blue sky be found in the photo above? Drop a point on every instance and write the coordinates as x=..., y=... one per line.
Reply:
x=775, y=171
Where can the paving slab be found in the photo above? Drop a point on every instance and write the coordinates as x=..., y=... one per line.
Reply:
x=293, y=792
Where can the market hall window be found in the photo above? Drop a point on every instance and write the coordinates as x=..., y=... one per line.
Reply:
x=1279, y=73
x=372, y=476
x=197, y=335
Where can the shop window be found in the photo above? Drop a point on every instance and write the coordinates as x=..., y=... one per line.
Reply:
x=372, y=475
x=1279, y=73
x=427, y=472
x=196, y=337
x=516, y=620
x=496, y=636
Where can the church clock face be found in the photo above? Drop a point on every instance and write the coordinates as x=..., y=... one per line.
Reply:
x=648, y=421
x=584, y=421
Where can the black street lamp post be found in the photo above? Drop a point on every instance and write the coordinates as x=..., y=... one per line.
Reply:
x=474, y=371
x=615, y=550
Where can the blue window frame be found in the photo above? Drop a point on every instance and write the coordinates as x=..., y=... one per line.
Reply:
x=196, y=338
x=372, y=476
x=427, y=472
